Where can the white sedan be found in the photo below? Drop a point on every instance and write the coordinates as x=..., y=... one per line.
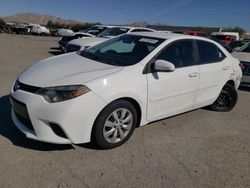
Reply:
x=110, y=32
x=103, y=93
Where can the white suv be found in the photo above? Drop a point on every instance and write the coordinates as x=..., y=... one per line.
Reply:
x=111, y=32
x=101, y=94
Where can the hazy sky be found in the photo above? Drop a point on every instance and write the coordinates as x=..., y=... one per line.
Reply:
x=218, y=13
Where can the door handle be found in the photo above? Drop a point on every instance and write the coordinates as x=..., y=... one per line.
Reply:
x=192, y=75
x=226, y=68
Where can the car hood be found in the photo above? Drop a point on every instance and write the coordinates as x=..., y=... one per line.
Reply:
x=242, y=56
x=83, y=42
x=68, y=69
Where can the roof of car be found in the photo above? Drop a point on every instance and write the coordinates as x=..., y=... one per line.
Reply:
x=128, y=27
x=158, y=34
x=163, y=35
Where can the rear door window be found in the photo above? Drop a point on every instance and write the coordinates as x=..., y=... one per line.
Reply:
x=209, y=52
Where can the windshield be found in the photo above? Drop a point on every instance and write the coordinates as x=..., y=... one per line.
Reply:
x=123, y=51
x=95, y=30
x=112, y=32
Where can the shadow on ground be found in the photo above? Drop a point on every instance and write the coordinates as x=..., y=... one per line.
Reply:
x=9, y=131
x=55, y=51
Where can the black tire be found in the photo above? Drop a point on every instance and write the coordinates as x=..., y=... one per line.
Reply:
x=98, y=128
x=226, y=100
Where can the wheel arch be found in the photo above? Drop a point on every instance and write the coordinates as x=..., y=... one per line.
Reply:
x=134, y=102
x=231, y=82
x=137, y=107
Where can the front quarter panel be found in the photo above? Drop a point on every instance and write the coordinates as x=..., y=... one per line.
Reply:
x=130, y=82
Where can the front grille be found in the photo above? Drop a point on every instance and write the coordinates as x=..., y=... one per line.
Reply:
x=72, y=48
x=32, y=89
x=21, y=113
x=246, y=69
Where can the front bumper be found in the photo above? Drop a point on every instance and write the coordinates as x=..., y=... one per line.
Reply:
x=74, y=117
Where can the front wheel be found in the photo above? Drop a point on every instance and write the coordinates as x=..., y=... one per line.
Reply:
x=226, y=100
x=115, y=124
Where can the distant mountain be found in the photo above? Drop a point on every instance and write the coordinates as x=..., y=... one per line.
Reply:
x=37, y=19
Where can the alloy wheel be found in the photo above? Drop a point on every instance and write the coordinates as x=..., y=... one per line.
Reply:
x=118, y=125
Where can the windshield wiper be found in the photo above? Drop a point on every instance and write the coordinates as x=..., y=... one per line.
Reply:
x=99, y=58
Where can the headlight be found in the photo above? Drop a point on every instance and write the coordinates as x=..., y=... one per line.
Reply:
x=62, y=93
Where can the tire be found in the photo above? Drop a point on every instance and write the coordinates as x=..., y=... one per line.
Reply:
x=114, y=125
x=226, y=100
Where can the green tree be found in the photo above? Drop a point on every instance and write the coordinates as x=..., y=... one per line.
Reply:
x=2, y=22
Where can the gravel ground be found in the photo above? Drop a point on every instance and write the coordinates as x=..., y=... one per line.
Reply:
x=196, y=149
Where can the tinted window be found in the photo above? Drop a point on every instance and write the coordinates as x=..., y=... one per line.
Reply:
x=180, y=53
x=209, y=52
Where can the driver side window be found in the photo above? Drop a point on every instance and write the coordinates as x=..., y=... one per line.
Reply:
x=180, y=53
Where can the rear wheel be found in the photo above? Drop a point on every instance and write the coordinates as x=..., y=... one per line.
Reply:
x=115, y=124
x=226, y=100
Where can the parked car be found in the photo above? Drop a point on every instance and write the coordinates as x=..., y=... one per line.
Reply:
x=96, y=29
x=243, y=54
x=194, y=33
x=226, y=37
x=197, y=33
x=165, y=31
x=19, y=28
x=236, y=45
x=102, y=93
x=221, y=43
x=113, y=31
x=62, y=43
x=65, y=32
x=91, y=32
x=40, y=30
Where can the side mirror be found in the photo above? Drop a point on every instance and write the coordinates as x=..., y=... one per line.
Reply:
x=164, y=66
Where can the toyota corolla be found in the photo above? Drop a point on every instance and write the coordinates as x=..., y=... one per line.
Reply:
x=103, y=93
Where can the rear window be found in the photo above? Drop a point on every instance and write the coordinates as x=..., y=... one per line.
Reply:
x=209, y=52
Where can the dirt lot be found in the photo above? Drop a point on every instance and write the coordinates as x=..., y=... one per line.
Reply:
x=196, y=149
